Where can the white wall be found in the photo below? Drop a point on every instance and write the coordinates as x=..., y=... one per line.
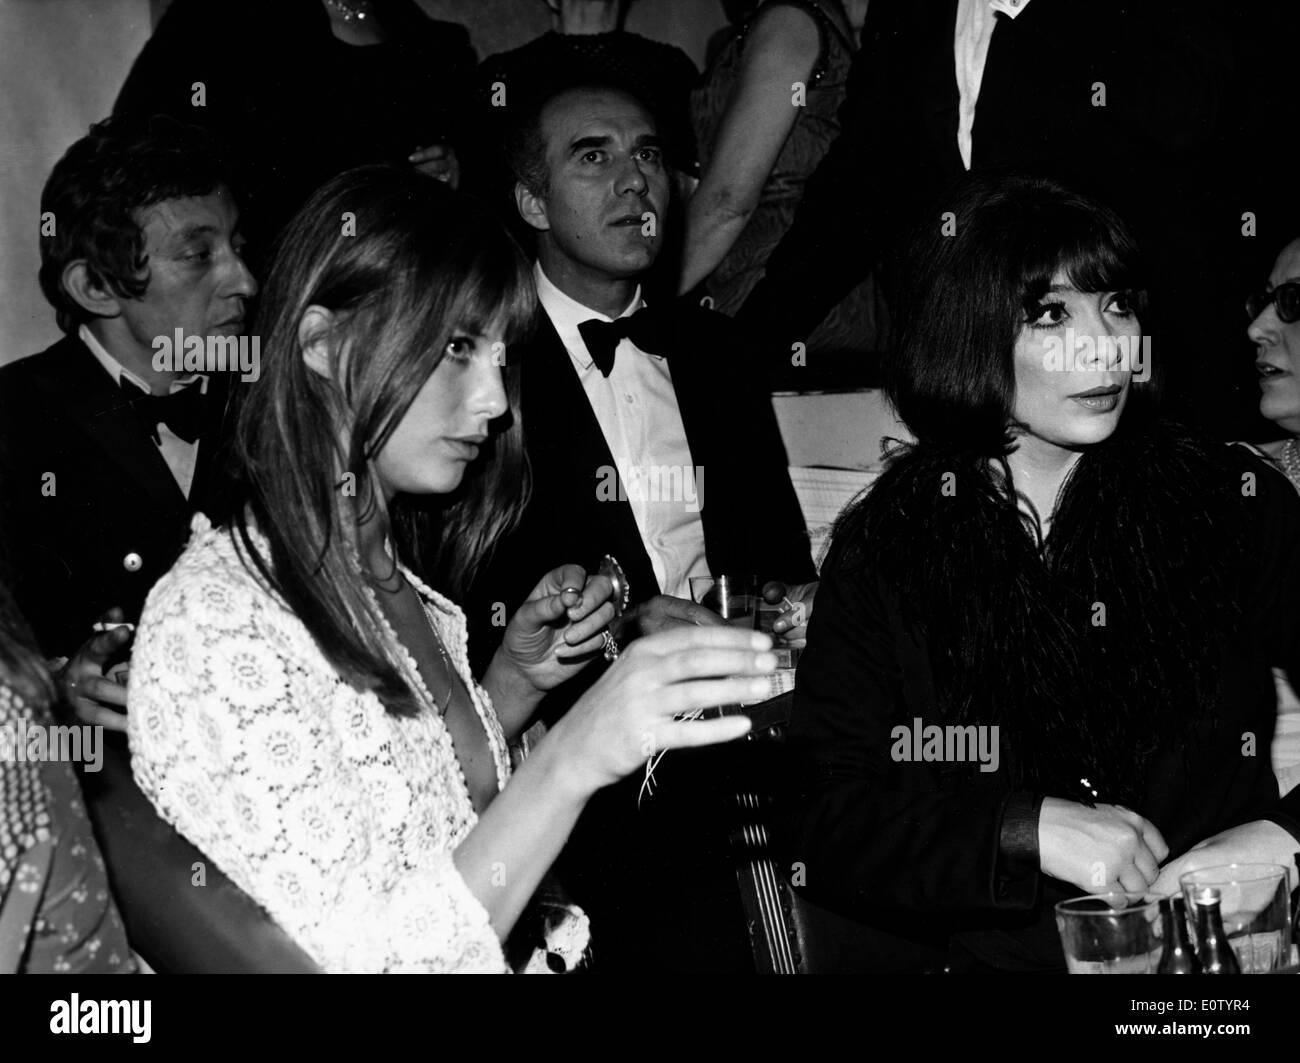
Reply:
x=61, y=64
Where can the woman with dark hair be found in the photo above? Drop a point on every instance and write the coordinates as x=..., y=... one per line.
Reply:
x=1274, y=313
x=56, y=913
x=1040, y=660
x=301, y=706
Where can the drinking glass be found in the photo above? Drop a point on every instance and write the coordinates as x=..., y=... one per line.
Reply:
x=1110, y=933
x=1253, y=900
x=734, y=598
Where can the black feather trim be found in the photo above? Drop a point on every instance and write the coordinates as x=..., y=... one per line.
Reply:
x=1090, y=650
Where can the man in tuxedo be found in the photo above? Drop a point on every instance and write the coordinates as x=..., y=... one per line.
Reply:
x=107, y=448
x=646, y=435
x=647, y=441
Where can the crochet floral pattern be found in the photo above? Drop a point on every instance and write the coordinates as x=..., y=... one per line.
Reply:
x=339, y=818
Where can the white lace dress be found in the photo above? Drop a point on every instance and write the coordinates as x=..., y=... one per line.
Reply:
x=339, y=818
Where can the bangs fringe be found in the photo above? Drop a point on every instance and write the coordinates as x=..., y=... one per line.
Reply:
x=1086, y=246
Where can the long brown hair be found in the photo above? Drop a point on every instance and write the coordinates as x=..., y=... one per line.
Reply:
x=403, y=263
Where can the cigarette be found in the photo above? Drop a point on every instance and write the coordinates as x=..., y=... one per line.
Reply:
x=99, y=627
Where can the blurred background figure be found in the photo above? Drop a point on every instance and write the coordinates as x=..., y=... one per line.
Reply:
x=56, y=913
x=1274, y=313
x=765, y=115
x=300, y=90
x=588, y=43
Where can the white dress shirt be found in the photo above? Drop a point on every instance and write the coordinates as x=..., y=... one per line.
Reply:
x=974, y=31
x=636, y=408
x=181, y=456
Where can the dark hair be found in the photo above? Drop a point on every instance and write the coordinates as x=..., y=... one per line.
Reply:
x=525, y=141
x=1147, y=521
x=424, y=263
x=95, y=192
x=965, y=286
x=525, y=149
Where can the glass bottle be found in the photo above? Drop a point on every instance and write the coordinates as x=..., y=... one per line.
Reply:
x=1212, y=948
x=1178, y=956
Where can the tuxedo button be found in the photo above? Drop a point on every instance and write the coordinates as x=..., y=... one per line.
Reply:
x=133, y=562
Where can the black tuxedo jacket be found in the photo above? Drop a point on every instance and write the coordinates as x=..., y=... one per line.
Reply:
x=658, y=881
x=751, y=517
x=91, y=513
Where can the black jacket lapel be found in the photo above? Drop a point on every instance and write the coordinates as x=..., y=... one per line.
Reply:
x=97, y=409
x=569, y=451
x=215, y=441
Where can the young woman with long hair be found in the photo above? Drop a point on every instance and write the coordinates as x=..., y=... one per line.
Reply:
x=301, y=706
x=1040, y=660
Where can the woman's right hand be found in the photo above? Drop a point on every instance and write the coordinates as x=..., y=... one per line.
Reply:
x=94, y=697
x=1098, y=849
x=628, y=714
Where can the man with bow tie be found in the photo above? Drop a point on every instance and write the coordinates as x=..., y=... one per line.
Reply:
x=104, y=458
x=612, y=387
x=660, y=399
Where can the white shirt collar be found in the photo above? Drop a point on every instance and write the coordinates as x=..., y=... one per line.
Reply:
x=119, y=372
x=115, y=368
x=566, y=314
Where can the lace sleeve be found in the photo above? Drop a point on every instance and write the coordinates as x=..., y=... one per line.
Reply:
x=242, y=741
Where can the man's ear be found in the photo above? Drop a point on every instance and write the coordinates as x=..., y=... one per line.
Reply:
x=532, y=208
x=92, y=296
x=314, y=338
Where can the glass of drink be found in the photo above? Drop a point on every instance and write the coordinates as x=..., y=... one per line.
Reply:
x=1253, y=902
x=1110, y=933
x=734, y=598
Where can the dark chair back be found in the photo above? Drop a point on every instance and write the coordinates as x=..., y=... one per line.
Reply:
x=181, y=913
x=788, y=934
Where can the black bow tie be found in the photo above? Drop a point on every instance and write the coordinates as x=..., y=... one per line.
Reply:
x=602, y=337
x=181, y=411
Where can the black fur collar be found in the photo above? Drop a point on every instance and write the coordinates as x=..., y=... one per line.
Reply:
x=1096, y=650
